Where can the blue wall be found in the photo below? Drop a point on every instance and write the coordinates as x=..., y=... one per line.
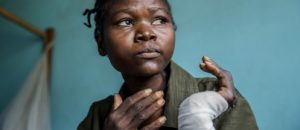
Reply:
x=256, y=40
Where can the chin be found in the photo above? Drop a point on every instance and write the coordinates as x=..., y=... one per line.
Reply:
x=150, y=69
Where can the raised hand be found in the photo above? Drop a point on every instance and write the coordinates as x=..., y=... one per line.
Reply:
x=135, y=110
x=226, y=86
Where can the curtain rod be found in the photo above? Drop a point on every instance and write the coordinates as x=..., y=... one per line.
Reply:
x=22, y=23
x=46, y=35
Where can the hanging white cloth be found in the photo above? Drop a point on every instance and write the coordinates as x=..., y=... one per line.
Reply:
x=29, y=110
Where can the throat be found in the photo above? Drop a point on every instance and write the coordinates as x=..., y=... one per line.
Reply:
x=155, y=82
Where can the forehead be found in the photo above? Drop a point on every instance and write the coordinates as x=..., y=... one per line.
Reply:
x=118, y=5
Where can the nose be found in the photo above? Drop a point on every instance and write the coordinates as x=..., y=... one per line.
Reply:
x=144, y=33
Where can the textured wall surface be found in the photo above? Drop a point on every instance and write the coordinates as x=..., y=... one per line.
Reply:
x=257, y=40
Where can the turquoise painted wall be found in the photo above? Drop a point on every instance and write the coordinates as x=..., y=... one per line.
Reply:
x=257, y=40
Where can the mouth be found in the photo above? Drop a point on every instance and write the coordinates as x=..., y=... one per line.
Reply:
x=148, y=53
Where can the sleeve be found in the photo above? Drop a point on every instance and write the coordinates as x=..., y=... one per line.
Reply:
x=238, y=116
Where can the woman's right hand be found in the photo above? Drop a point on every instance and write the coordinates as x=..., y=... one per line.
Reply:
x=130, y=114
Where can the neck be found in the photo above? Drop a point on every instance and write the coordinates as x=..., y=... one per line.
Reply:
x=137, y=83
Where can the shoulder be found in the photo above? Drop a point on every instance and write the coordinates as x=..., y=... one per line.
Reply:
x=104, y=104
x=239, y=116
x=97, y=114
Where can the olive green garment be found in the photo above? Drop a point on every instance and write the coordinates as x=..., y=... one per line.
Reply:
x=180, y=85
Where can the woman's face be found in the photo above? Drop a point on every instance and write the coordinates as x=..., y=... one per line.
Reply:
x=139, y=36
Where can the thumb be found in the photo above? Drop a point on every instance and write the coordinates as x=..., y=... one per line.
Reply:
x=117, y=101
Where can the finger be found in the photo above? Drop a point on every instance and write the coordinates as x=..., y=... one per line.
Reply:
x=152, y=118
x=129, y=101
x=144, y=104
x=117, y=101
x=156, y=124
x=141, y=105
x=148, y=112
x=202, y=67
x=210, y=66
x=206, y=59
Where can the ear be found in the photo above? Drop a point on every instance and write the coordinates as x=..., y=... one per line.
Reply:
x=100, y=43
x=101, y=49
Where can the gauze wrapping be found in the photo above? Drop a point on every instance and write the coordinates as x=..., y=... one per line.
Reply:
x=198, y=110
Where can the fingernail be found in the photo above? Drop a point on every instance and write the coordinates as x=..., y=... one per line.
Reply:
x=159, y=93
x=207, y=57
x=161, y=102
x=162, y=119
x=148, y=91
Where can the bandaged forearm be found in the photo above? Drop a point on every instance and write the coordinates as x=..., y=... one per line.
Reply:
x=198, y=111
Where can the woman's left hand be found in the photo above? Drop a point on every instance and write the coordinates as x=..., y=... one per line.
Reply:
x=226, y=86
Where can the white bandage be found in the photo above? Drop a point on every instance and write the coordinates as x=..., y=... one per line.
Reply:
x=197, y=111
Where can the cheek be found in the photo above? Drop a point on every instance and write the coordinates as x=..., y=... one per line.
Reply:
x=118, y=45
x=167, y=37
x=118, y=42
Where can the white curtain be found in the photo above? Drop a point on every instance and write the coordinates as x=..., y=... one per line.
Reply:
x=29, y=110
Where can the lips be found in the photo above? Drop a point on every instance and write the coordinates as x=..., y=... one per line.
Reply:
x=148, y=53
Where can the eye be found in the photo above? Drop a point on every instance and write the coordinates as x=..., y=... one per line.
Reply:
x=159, y=20
x=125, y=22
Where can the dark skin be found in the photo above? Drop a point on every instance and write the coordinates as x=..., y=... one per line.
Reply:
x=138, y=38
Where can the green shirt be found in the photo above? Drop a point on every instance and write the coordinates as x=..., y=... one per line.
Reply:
x=180, y=85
